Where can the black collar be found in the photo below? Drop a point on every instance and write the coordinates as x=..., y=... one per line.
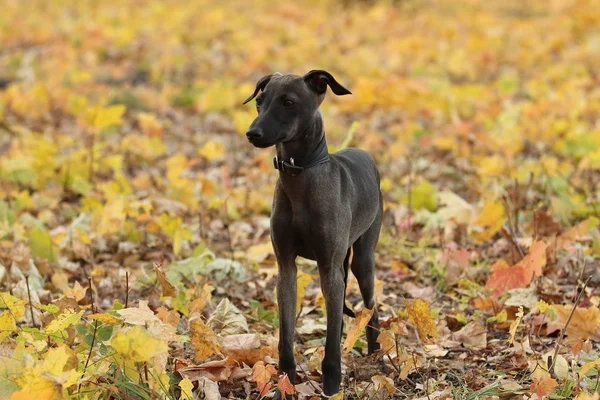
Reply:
x=295, y=166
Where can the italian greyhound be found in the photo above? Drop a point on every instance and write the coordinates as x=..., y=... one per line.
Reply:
x=325, y=205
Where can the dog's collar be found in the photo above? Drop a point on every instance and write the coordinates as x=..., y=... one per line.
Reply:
x=295, y=166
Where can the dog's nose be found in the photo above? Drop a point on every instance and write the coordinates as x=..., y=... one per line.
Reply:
x=254, y=133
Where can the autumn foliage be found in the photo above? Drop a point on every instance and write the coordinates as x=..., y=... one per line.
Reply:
x=135, y=259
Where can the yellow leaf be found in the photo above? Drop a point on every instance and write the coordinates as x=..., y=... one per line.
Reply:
x=105, y=318
x=99, y=117
x=422, y=195
x=421, y=316
x=63, y=321
x=302, y=282
x=76, y=291
x=7, y=325
x=513, y=327
x=168, y=289
x=212, y=150
x=149, y=124
x=588, y=366
x=337, y=396
x=198, y=304
x=15, y=305
x=55, y=360
x=542, y=306
x=187, y=388
x=387, y=340
x=137, y=345
x=489, y=221
x=260, y=252
x=360, y=322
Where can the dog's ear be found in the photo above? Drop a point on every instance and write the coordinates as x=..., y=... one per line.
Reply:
x=317, y=80
x=260, y=85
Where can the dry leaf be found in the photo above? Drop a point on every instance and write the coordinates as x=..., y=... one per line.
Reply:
x=360, y=322
x=168, y=289
x=421, y=316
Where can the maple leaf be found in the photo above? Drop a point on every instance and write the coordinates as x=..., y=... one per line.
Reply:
x=141, y=315
x=383, y=382
x=261, y=374
x=67, y=318
x=99, y=117
x=421, y=316
x=137, y=345
x=204, y=340
x=504, y=278
x=15, y=305
x=76, y=291
x=187, y=387
x=584, y=325
x=284, y=385
x=360, y=322
x=7, y=325
x=544, y=387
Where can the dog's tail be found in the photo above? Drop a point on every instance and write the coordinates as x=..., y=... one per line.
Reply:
x=348, y=311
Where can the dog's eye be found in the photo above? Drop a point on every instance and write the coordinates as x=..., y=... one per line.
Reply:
x=288, y=104
x=258, y=101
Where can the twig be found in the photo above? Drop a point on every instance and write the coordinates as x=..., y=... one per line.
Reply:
x=126, y=288
x=307, y=378
x=30, y=303
x=89, y=356
x=562, y=333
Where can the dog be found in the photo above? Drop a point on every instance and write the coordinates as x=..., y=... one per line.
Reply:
x=326, y=207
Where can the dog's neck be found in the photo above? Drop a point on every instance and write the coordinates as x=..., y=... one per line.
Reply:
x=310, y=141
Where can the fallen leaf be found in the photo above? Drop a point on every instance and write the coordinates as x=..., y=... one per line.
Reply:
x=285, y=386
x=136, y=345
x=472, y=336
x=261, y=374
x=187, y=388
x=514, y=325
x=247, y=348
x=383, y=382
x=360, y=322
x=544, y=387
x=204, y=339
x=7, y=325
x=421, y=316
x=168, y=289
x=227, y=319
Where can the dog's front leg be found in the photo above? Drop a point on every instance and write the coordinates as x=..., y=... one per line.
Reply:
x=332, y=284
x=286, y=299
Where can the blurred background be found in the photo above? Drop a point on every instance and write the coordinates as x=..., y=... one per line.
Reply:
x=122, y=143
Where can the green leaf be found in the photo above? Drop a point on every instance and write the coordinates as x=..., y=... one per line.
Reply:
x=40, y=243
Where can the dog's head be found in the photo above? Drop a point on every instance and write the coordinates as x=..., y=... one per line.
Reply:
x=287, y=104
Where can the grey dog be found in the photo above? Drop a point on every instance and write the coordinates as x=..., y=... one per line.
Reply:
x=325, y=205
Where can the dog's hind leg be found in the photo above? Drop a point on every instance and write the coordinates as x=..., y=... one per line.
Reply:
x=363, y=267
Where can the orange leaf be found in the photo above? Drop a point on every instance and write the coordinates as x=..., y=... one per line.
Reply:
x=204, y=340
x=421, y=316
x=584, y=325
x=544, y=387
x=261, y=374
x=361, y=321
x=284, y=385
x=505, y=278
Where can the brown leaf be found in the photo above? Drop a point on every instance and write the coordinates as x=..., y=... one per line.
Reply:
x=261, y=374
x=472, y=336
x=247, y=348
x=168, y=289
x=544, y=387
x=285, y=386
x=584, y=325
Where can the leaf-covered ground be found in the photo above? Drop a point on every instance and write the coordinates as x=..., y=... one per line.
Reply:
x=135, y=259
